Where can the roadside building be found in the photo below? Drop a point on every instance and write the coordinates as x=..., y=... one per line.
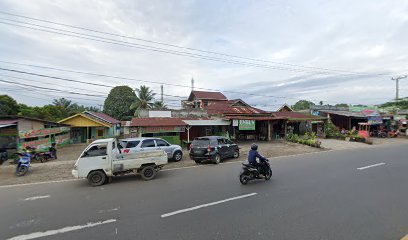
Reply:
x=344, y=119
x=167, y=128
x=88, y=126
x=18, y=132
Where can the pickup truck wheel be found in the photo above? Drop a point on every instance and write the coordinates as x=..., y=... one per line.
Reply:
x=178, y=155
x=96, y=178
x=148, y=173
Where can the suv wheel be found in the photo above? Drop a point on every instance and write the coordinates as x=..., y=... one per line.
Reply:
x=178, y=155
x=236, y=154
x=217, y=158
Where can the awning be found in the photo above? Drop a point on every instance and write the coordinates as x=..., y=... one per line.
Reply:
x=7, y=125
x=214, y=122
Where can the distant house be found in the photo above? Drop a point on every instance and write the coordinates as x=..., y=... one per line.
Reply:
x=89, y=125
x=201, y=99
x=17, y=132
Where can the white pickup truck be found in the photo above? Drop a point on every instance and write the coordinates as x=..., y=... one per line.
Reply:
x=103, y=159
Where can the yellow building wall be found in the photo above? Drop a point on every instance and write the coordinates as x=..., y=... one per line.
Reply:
x=80, y=121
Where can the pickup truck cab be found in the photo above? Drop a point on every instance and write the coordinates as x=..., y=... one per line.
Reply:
x=103, y=159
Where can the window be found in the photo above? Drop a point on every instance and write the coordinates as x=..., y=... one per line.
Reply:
x=132, y=144
x=161, y=143
x=96, y=150
x=148, y=143
x=221, y=141
x=100, y=132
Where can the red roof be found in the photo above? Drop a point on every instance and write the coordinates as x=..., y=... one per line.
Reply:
x=226, y=107
x=103, y=116
x=206, y=95
x=263, y=118
x=156, y=122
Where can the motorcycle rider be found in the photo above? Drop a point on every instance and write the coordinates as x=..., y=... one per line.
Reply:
x=253, y=155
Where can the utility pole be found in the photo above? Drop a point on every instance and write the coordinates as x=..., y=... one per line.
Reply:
x=192, y=84
x=161, y=95
x=396, y=79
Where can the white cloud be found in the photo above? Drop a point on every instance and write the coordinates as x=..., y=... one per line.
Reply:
x=354, y=36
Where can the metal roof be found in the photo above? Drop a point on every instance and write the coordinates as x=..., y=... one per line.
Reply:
x=214, y=122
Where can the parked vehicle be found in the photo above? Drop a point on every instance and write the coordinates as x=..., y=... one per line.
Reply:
x=213, y=149
x=3, y=155
x=23, y=164
x=104, y=158
x=134, y=145
x=250, y=172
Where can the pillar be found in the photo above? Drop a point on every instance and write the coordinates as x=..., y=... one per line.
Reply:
x=269, y=131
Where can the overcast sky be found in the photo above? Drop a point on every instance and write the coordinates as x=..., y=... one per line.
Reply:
x=363, y=43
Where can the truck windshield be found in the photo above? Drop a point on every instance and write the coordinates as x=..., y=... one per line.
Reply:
x=96, y=150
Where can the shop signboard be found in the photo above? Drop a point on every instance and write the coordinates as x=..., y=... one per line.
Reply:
x=163, y=129
x=375, y=120
x=41, y=132
x=45, y=143
x=246, y=125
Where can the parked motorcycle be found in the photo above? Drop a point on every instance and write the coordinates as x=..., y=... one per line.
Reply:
x=250, y=172
x=23, y=164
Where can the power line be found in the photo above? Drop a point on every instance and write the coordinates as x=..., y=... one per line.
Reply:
x=110, y=86
x=176, y=46
x=169, y=51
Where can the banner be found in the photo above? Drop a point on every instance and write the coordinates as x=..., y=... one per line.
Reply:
x=41, y=132
x=375, y=120
x=246, y=125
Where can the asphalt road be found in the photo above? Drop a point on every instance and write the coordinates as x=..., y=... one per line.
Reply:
x=313, y=196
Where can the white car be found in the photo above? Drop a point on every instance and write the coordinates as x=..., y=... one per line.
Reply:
x=134, y=145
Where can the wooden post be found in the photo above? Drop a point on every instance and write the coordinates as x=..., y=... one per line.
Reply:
x=269, y=130
x=286, y=128
x=87, y=135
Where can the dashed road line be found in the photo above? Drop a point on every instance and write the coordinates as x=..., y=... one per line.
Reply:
x=370, y=166
x=61, y=230
x=206, y=205
x=36, y=197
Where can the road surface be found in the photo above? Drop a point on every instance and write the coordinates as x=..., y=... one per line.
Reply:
x=353, y=194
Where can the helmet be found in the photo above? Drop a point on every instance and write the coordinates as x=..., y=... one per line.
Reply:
x=254, y=147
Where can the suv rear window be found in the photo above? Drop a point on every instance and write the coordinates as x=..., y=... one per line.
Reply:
x=132, y=144
x=204, y=142
x=148, y=143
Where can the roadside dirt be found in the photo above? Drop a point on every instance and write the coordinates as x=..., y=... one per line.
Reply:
x=61, y=169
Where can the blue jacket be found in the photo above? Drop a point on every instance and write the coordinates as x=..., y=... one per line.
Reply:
x=252, y=155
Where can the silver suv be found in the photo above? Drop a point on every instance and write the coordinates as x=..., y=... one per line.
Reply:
x=134, y=145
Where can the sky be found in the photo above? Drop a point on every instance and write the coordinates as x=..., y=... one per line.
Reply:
x=331, y=51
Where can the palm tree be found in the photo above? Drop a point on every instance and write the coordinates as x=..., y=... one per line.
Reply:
x=159, y=105
x=144, y=98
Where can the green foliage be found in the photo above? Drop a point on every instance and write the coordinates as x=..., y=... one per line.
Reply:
x=330, y=129
x=118, y=103
x=401, y=104
x=8, y=106
x=159, y=105
x=307, y=139
x=144, y=98
x=302, y=105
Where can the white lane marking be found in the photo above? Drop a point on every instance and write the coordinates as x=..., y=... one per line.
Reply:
x=206, y=205
x=36, y=197
x=109, y=210
x=61, y=230
x=374, y=165
x=36, y=183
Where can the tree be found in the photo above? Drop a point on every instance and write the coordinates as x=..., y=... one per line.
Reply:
x=8, y=106
x=341, y=105
x=302, y=105
x=144, y=98
x=118, y=102
x=159, y=105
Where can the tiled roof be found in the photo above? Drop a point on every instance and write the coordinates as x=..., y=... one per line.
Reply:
x=103, y=116
x=207, y=95
x=225, y=107
x=156, y=122
x=294, y=115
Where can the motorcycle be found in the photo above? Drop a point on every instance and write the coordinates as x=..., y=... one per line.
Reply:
x=250, y=172
x=23, y=164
